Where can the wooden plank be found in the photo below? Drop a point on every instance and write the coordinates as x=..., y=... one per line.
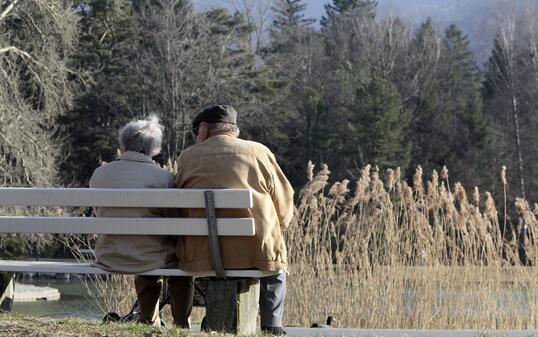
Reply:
x=87, y=268
x=126, y=197
x=132, y=226
x=232, y=306
x=248, y=299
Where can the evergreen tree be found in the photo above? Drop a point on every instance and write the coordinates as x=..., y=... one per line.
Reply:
x=461, y=85
x=465, y=79
x=349, y=31
x=375, y=132
x=289, y=14
x=294, y=57
x=108, y=42
x=382, y=126
x=449, y=127
x=289, y=30
x=423, y=99
x=339, y=7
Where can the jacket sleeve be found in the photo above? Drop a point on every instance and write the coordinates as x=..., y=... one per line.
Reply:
x=281, y=194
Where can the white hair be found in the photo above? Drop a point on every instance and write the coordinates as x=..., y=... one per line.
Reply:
x=144, y=136
x=224, y=127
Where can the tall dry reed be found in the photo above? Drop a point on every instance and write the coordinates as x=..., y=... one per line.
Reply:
x=110, y=293
x=390, y=255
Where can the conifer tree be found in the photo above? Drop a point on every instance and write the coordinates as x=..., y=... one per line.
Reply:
x=290, y=14
x=294, y=57
x=423, y=101
x=339, y=7
x=378, y=127
x=449, y=127
x=462, y=105
x=109, y=38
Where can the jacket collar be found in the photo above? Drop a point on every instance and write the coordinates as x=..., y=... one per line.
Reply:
x=135, y=156
x=223, y=134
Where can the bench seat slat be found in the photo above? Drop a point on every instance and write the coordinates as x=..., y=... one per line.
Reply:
x=132, y=226
x=86, y=268
x=124, y=197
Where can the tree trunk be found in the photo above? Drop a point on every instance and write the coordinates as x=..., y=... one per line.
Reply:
x=518, y=144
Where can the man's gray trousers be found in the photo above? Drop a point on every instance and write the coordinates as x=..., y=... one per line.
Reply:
x=272, y=295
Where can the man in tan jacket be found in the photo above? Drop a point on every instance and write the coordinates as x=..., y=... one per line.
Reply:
x=221, y=160
x=139, y=142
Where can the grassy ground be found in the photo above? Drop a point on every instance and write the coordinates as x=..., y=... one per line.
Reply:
x=15, y=325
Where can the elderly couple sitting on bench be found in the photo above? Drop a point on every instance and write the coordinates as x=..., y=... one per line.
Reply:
x=219, y=159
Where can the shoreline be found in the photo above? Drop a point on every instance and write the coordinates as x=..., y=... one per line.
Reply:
x=32, y=293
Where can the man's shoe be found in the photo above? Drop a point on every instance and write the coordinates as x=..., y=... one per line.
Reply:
x=273, y=330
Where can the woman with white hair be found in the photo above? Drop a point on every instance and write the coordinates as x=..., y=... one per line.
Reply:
x=139, y=141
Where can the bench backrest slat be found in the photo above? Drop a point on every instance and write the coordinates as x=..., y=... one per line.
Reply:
x=132, y=226
x=86, y=268
x=128, y=197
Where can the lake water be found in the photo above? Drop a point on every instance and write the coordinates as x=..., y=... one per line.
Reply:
x=74, y=301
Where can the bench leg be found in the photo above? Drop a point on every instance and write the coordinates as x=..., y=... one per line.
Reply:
x=232, y=306
x=7, y=291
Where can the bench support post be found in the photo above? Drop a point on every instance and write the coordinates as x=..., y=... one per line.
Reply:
x=232, y=305
x=7, y=291
x=214, y=247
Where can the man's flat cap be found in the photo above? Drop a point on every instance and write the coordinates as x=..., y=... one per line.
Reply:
x=216, y=114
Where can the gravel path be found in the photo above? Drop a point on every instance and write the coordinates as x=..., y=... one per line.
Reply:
x=299, y=332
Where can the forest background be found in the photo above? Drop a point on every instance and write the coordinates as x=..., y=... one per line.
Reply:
x=357, y=89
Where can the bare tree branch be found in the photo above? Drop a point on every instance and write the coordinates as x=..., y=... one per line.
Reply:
x=8, y=9
x=20, y=52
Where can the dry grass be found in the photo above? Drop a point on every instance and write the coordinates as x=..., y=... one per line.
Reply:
x=14, y=325
x=108, y=292
x=390, y=255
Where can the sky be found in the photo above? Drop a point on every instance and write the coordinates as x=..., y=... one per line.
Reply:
x=442, y=11
x=416, y=8
x=315, y=8
x=476, y=18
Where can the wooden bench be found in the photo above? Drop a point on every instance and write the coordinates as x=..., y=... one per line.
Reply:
x=232, y=295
